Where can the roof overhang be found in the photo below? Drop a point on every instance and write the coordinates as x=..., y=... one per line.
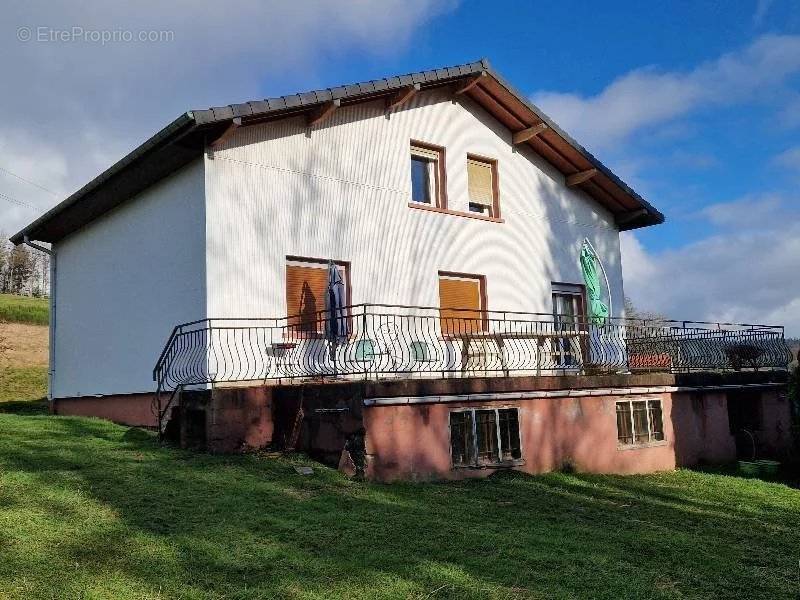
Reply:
x=187, y=137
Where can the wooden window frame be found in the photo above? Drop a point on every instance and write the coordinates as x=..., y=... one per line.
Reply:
x=440, y=183
x=294, y=331
x=477, y=464
x=492, y=162
x=579, y=290
x=650, y=433
x=483, y=309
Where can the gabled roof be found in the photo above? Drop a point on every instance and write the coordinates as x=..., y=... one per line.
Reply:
x=186, y=137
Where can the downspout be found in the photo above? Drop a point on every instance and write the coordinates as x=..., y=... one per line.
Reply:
x=52, y=334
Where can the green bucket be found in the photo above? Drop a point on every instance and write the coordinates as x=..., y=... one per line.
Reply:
x=769, y=467
x=749, y=469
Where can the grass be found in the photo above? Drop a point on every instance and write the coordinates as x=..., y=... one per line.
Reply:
x=23, y=309
x=23, y=383
x=89, y=509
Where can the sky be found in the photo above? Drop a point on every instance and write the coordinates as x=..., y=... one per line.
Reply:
x=695, y=104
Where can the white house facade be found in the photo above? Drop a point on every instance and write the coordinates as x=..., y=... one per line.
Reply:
x=214, y=238
x=432, y=258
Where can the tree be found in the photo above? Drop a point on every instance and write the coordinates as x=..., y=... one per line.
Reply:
x=631, y=312
x=4, y=252
x=20, y=267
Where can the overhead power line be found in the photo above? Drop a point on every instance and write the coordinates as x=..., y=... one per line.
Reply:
x=22, y=203
x=29, y=182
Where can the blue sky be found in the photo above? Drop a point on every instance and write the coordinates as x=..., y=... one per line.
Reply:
x=695, y=104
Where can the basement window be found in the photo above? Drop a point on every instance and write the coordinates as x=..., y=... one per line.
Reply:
x=639, y=422
x=485, y=437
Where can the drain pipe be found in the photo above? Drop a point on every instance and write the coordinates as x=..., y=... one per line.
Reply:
x=52, y=334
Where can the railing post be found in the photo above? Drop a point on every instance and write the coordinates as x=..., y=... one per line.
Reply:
x=363, y=337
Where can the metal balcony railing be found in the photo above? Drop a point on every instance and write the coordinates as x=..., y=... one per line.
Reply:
x=408, y=341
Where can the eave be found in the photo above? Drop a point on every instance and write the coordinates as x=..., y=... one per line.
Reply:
x=188, y=136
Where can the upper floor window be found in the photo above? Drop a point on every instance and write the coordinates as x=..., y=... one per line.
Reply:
x=427, y=174
x=568, y=303
x=482, y=185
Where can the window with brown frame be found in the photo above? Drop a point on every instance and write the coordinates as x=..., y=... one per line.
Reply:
x=482, y=186
x=306, y=285
x=568, y=316
x=427, y=174
x=462, y=303
x=480, y=437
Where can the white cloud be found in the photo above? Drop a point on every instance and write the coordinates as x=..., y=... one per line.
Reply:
x=745, y=272
x=73, y=108
x=747, y=213
x=790, y=159
x=646, y=97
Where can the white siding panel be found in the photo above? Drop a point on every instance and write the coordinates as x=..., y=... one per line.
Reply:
x=124, y=281
x=341, y=191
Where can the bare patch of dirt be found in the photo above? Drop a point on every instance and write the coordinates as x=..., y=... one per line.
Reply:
x=28, y=344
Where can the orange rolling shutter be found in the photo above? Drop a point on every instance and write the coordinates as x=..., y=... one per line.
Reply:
x=305, y=296
x=479, y=182
x=460, y=293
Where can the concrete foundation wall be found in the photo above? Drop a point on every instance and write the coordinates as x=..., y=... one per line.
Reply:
x=775, y=435
x=399, y=436
x=126, y=409
x=238, y=419
x=413, y=441
x=702, y=432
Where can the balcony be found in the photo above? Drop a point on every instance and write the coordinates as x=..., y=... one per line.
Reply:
x=385, y=341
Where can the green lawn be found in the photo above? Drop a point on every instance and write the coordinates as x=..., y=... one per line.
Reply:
x=23, y=309
x=23, y=383
x=89, y=509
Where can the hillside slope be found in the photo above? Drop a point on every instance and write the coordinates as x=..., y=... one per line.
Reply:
x=95, y=510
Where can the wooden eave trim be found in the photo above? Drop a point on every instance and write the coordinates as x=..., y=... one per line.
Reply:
x=554, y=148
x=629, y=217
x=580, y=177
x=229, y=131
x=465, y=87
x=609, y=201
x=402, y=96
x=526, y=134
x=496, y=109
x=322, y=112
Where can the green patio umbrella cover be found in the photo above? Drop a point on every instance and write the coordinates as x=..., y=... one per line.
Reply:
x=598, y=310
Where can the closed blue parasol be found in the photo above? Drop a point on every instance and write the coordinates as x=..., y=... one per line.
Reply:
x=336, y=326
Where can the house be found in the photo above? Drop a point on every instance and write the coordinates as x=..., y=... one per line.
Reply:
x=462, y=226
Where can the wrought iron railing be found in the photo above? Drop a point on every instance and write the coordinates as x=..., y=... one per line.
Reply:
x=408, y=341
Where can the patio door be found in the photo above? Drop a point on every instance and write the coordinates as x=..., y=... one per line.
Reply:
x=569, y=318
